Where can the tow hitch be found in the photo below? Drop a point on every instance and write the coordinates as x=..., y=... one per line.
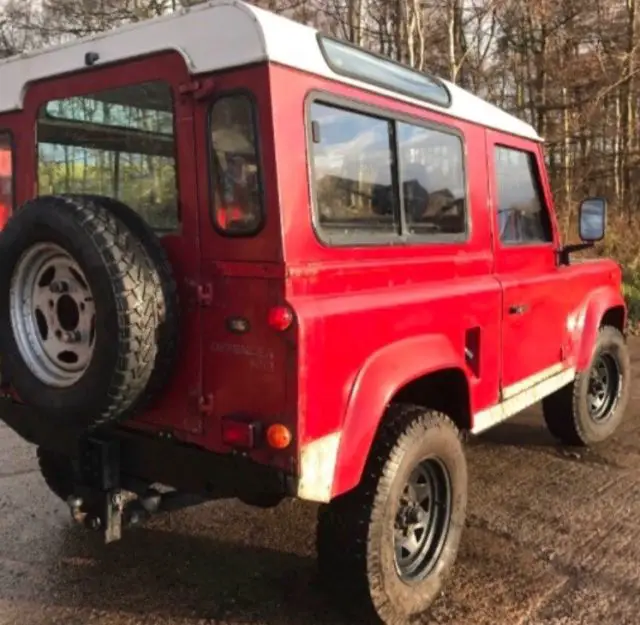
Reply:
x=106, y=515
x=100, y=502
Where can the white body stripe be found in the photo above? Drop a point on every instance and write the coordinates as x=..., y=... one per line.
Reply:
x=523, y=395
x=527, y=383
x=220, y=35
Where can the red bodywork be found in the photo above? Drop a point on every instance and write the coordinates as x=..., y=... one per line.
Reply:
x=6, y=179
x=369, y=320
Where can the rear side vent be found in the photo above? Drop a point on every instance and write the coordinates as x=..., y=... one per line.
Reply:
x=472, y=350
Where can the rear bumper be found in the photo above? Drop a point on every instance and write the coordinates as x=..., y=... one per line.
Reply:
x=148, y=459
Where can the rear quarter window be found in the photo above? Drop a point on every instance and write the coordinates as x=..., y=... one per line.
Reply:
x=380, y=180
x=353, y=174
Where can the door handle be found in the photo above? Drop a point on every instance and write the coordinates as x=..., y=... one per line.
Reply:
x=518, y=309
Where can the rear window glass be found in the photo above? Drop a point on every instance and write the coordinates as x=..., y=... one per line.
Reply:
x=235, y=168
x=349, y=60
x=117, y=142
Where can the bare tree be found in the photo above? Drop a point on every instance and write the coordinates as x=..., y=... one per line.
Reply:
x=569, y=67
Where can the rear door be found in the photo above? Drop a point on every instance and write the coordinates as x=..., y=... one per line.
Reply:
x=126, y=131
x=533, y=305
x=244, y=358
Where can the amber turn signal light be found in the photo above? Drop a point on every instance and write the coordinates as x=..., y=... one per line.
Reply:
x=278, y=436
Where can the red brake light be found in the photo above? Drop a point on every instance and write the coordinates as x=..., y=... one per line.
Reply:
x=238, y=434
x=280, y=318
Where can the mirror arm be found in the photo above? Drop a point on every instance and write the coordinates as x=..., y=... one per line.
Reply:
x=565, y=251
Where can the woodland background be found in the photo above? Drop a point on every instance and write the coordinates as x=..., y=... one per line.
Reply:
x=569, y=67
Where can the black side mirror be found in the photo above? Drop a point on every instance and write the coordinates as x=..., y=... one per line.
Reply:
x=593, y=219
x=593, y=223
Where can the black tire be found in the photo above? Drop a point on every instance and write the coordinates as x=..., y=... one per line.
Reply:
x=121, y=279
x=571, y=413
x=168, y=306
x=356, y=532
x=58, y=473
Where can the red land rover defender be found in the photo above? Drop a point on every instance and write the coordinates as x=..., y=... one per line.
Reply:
x=248, y=260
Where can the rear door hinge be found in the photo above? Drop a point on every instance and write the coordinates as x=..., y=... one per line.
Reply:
x=198, y=89
x=205, y=404
x=204, y=294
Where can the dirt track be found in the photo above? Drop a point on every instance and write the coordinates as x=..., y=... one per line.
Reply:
x=553, y=538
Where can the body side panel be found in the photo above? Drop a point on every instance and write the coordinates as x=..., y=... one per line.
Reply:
x=353, y=303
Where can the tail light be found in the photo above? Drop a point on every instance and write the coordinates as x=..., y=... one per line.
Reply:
x=251, y=434
x=280, y=318
x=239, y=433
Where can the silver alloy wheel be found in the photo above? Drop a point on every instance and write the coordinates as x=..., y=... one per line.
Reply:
x=52, y=315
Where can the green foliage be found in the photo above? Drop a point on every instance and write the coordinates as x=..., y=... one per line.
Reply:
x=631, y=290
x=146, y=183
x=620, y=244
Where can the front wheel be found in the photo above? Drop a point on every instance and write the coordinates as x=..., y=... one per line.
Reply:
x=590, y=409
x=387, y=546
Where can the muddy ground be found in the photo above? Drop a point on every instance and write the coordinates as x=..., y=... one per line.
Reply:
x=553, y=538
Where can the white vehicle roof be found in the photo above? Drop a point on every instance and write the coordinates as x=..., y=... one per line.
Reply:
x=219, y=35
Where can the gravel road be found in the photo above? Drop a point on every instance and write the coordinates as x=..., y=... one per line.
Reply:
x=553, y=538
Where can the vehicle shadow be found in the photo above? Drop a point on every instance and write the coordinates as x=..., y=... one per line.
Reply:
x=519, y=433
x=530, y=432
x=167, y=576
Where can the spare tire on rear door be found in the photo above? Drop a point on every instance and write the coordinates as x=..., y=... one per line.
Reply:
x=78, y=310
x=166, y=291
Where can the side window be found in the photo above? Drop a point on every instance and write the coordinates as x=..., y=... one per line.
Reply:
x=6, y=176
x=522, y=215
x=432, y=179
x=117, y=142
x=352, y=166
x=235, y=166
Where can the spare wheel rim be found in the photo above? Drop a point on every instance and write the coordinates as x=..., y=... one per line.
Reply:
x=52, y=315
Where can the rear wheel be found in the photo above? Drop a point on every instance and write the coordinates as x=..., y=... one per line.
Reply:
x=387, y=547
x=590, y=409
